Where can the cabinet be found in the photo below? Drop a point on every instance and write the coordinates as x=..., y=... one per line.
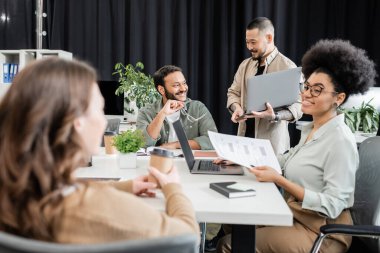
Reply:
x=22, y=57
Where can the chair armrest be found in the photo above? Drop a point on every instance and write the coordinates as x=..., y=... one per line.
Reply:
x=355, y=230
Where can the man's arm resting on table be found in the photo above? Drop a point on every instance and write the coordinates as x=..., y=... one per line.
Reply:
x=176, y=145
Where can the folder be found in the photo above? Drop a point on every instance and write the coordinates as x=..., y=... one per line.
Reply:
x=15, y=70
x=11, y=73
x=6, y=73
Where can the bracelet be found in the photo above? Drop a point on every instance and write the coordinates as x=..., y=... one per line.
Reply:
x=276, y=118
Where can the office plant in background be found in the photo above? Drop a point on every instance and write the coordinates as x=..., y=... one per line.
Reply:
x=137, y=87
x=128, y=143
x=365, y=118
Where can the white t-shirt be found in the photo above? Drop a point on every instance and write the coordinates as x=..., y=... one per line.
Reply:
x=170, y=119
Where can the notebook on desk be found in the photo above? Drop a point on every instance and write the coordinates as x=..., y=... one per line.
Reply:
x=202, y=166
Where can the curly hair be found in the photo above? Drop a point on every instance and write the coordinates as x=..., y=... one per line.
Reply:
x=349, y=67
x=39, y=146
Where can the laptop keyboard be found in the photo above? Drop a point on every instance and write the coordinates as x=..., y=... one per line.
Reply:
x=208, y=166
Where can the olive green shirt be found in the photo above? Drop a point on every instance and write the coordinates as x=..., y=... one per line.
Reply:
x=195, y=129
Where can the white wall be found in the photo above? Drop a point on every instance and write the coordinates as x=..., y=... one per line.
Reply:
x=3, y=89
x=356, y=100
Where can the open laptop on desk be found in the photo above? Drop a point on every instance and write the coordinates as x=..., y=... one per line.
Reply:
x=200, y=166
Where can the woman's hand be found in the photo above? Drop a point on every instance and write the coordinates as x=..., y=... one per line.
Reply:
x=267, y=114
x=141, y=186
x=222, y=161
x=265, y=174
x=164, y=179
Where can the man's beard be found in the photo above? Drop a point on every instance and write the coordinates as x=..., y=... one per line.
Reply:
x=171, y=96
x=259, y=57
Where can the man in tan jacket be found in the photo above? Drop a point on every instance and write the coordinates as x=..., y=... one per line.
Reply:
x=265, y=59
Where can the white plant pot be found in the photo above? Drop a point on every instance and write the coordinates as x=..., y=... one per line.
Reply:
x=131, y=117
x=127, y=161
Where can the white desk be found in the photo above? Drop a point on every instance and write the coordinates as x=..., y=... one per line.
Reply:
x=266, y=208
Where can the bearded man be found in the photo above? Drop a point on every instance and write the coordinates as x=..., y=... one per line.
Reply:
x=155, y=120
x=265, y=58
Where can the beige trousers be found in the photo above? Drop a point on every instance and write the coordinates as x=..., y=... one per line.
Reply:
x=298, y=238
x=293, y=239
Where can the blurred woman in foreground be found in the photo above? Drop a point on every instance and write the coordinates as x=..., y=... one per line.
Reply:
x=51, y=121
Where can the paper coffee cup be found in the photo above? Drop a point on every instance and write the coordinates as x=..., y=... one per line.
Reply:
x=108, y=142
x=162, y=160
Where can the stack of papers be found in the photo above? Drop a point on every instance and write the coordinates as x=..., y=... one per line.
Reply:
x=248, y=152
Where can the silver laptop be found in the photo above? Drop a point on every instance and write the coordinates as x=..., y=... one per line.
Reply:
x=201, y=166
x=279, y=89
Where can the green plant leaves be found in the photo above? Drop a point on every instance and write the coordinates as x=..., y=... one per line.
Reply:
x=135, y=84
x=130, y=141
x=365, y=118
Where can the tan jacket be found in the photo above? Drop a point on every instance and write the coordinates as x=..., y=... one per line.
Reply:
x=103, y=212
x=277, y=133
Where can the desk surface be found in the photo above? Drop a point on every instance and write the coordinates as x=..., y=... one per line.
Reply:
x=266, y=208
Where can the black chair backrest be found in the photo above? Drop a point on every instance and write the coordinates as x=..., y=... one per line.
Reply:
x=113, y=125
x=366, y=209
x=176, y=244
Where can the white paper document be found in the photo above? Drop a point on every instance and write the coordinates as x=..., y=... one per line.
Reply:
x=248, y=152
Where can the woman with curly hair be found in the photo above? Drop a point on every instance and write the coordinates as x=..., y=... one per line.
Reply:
x=319, y=173
x=51, y=121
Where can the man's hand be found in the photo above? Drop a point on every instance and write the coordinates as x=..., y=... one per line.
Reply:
x=171, y=145
x=141, y=186
x=267, y=114
x=238, y=113
x=172, y=106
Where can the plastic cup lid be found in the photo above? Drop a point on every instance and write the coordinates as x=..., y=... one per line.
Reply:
x=162, y=152
x=110, y=133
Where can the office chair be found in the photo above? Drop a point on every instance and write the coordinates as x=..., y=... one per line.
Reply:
x=175, y=244
x=366, y=210
x=113, y=125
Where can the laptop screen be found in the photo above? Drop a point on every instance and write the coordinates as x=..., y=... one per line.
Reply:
x=182, y=138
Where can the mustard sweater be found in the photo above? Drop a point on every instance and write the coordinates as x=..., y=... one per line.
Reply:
x=105, y=211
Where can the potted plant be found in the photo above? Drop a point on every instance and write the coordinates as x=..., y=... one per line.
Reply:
x=128, y=143
x=365, y=118
x=137, y=87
